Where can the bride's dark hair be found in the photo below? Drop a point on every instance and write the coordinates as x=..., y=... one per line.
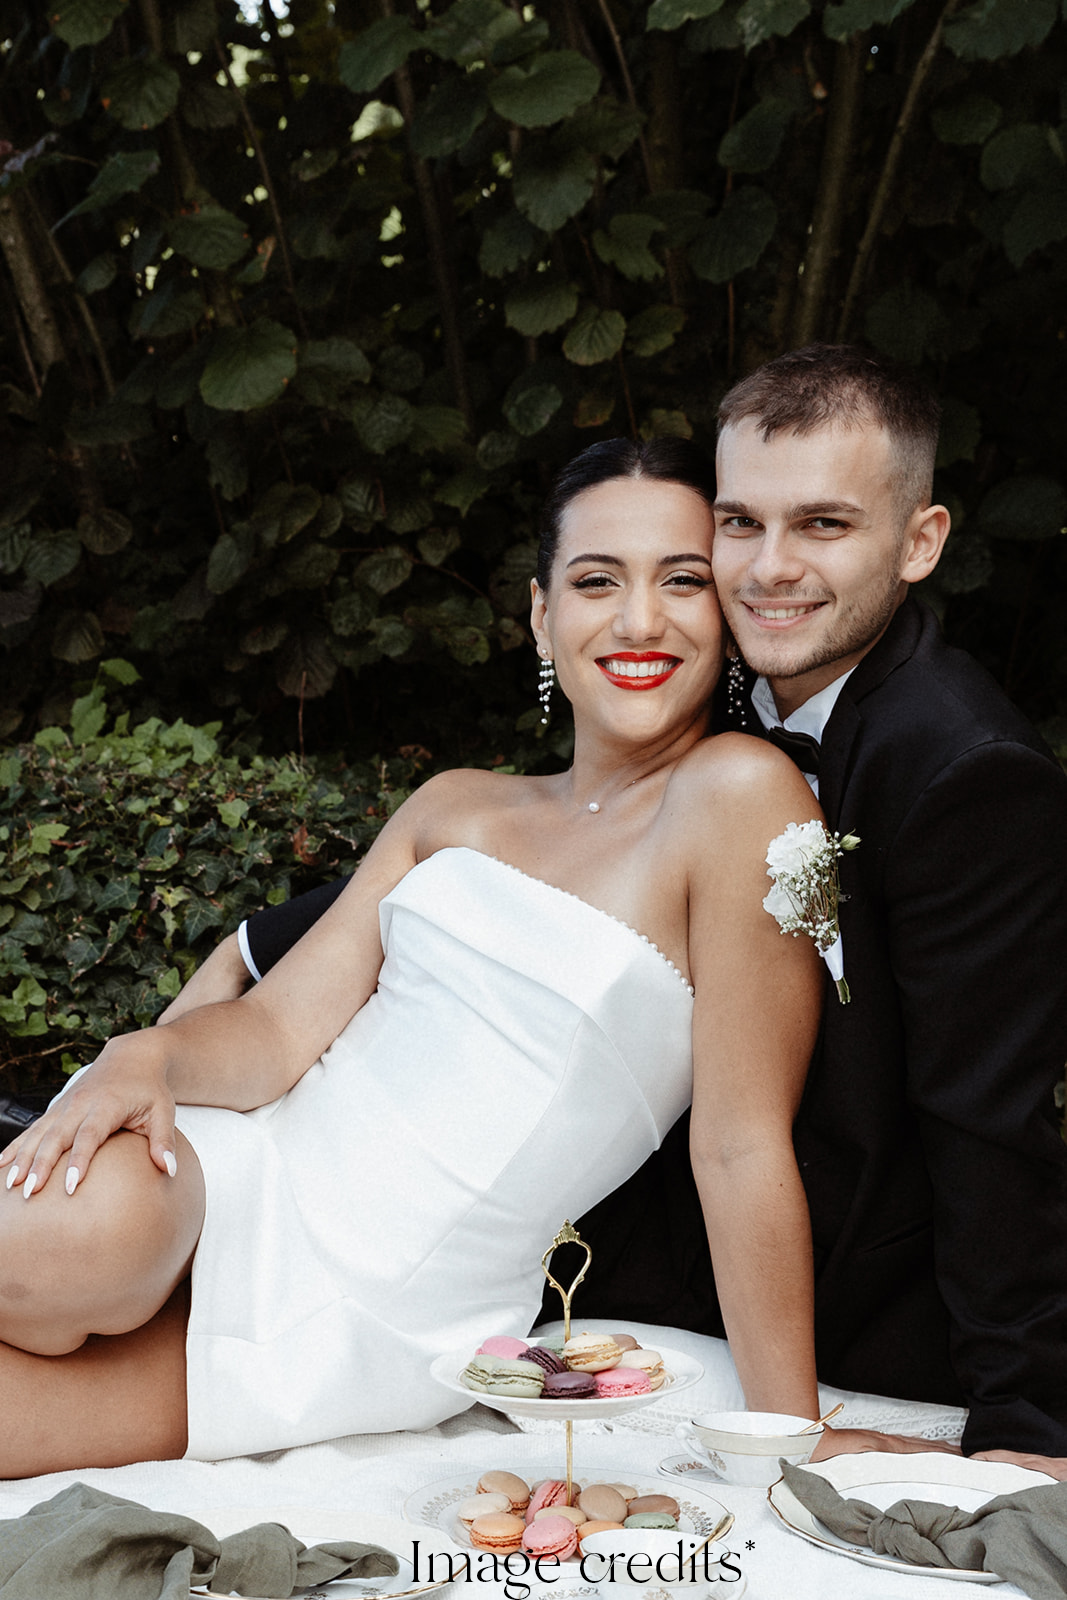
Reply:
x=669, y=459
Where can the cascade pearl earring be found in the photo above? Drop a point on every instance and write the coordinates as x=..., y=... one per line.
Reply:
x=544, y=686
x=735, y=690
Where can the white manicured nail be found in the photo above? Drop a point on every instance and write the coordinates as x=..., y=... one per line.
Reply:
x=13, y=1177
x=72, y=1180
x=170, y=1163
x=29, y=1186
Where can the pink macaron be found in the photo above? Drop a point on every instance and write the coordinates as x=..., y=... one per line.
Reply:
x=620, y=1382
x=552, y=1492
x=551, y=1536
x=504, y=1346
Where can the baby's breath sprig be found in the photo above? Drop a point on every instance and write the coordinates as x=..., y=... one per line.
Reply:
x=802, y=864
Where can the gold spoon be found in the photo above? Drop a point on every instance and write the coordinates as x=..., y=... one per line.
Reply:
x=840, y=1406
x=723, y=1526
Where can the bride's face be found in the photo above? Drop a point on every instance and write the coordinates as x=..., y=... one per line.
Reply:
x=631, y=617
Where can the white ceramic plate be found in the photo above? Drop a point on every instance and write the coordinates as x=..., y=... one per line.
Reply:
x=312, y=1526
x=435, y=1507
x=882, y=1478
x=683, y=1371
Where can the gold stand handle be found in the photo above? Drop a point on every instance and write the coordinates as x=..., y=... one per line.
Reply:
x=568, y=1234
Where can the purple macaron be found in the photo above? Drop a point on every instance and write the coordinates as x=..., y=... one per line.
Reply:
x=545, y=1359
x=568, y=1386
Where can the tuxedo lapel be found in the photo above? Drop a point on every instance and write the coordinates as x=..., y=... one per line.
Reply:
x=896, y=646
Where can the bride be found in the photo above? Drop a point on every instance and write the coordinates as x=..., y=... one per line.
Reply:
x=493, y=1026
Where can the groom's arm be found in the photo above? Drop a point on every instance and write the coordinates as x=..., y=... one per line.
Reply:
x=977, y=885
x=251, y=952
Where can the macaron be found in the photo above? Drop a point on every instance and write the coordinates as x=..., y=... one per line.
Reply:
x=501, y=1344
x=650, y=1519
x=596, y=1526
x=602, y=1502
x=654, y=1502
x=552, y=1341
x=627, y=1490
x=551, y=1492
x=551, y=1536
x=626, y=1341
x=573, y=1514
x=546, y=1359
x=591, y=1352
x=618, y=1383
x=476, y=1371
x=509, y=1483
x=523, y=1380
x=649, y=1361
x=480, y=1505
x=569, y=1386
x=498, y=1531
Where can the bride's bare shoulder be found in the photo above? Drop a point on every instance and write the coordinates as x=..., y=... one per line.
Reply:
x=739, y=765
x=736, y=791
x=461, y=796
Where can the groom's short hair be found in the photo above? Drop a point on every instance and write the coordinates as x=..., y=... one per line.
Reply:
x=824, y=385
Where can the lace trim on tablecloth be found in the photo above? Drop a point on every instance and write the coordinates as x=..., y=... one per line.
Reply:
x=940, y=1423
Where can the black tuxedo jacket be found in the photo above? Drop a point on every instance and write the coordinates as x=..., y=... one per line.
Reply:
x=927, y=1138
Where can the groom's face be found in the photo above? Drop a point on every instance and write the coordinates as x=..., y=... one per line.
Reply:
x=811, y=550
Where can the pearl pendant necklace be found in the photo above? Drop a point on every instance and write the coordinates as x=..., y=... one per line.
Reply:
x=594, y=805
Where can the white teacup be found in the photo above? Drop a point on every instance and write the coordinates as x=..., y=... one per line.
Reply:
x=744, y=1447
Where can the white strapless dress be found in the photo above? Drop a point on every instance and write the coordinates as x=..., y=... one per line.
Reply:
x=523, y=1054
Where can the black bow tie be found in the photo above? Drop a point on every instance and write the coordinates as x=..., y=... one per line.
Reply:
x=800, y=747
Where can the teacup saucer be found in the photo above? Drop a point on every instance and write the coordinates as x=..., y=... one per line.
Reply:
x=688, y=1469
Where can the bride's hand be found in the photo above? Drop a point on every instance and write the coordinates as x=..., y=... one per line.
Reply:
x=852, y=1441
x=124, y=1088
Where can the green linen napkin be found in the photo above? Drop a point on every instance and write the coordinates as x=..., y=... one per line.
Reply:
x=86, y=1545
x=1022, y=1537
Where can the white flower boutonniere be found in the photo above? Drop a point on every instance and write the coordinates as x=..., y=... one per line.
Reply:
x=802, y=862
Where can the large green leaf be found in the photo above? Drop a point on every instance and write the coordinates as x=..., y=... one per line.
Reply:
x=206, y=104
x=79, y=22
x=855, y=16
x=753, y=143
x=532, y=406
x=122, y=173
x=437, y=428
x=1020, y=157
x=625, y=244
x=209, y=237
x=967, y=120
x=507, y=243
x=737, y=237
x=284, y=511
x=311, y=566
x=140, y=92
x=553, y=86
x=987, y=30
x=550, y=187
x=52, y=556
x=229, y=560
x=306, y=668
x=470, y=30
x=682, y=213
x=540, y=306
x=463, y=489
x=375, y=53
x=1031, y=506
x=654, y=329
x=386, y=423
x=603, y=127
x=1038, y=220
x=408, y=511
x=14, y=542
x=766, y=19
x=78, y=637
x=386, y=569
x=104, y=532
x=248, y=367
x=191, y=25
x=596, y=336
x=672, y=13
x=451, y=113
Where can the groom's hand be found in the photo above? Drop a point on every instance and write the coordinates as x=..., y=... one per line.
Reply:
x=1055, y=1466
x=854, y=1441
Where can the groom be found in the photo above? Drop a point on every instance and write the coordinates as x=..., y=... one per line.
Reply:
x=927, y=1138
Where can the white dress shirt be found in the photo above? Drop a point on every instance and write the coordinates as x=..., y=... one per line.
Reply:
x=810, y=718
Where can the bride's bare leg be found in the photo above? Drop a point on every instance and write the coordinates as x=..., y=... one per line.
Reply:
x=105, y=1261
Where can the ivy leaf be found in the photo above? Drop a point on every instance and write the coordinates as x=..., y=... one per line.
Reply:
x=532, y=407
x=1031, y=506
x=753, y=143
x=437, y=428
x=737, y=237
x=407, y=511
x=79, y=22
x=230, y=558
x=104, y=532
x=375, y=53
x=360, y=502
x=462, y=490
x=306, y=667
x=248, y=367
x=392, y=637
x=506, y=244
x=436, y=546
x=341, y=358
x=122, y=173
x=556, y=84
x=990, y=29
x=51, y=556
x=766, y=19
x=550, y=187
x=625, y=244
x=671, y=14
x=311, y=566
x=386, y=569
x=140, y=92
x=209, y=237
x=78, y=637
x=386, y=423
x=448, y=117
x=284, y=511
x=540, y=306
x=969, y=120
x=840, y=22
x=596, y=336
x=653, y=330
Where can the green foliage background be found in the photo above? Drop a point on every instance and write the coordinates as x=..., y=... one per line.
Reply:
x=299, y=311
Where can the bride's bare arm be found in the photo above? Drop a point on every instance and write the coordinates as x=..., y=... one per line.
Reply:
x=757, y=1007
x=236, y=1053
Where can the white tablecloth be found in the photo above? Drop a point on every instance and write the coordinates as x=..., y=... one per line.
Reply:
x=378, y=1472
